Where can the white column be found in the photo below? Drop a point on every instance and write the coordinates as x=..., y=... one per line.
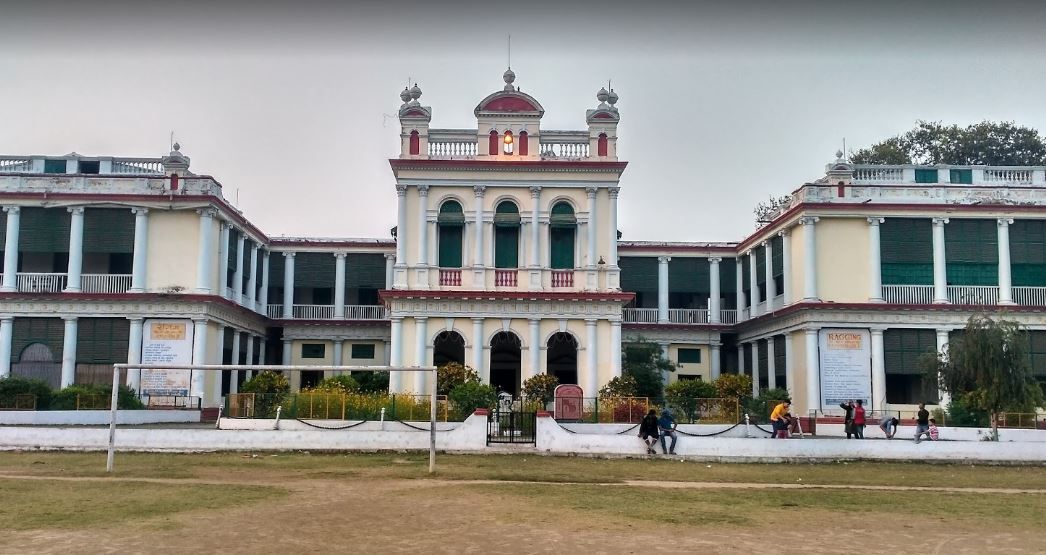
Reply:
x=134, y=353
x=716, y=363
x=755, y=368
x=878, y=400
x=612, y=258
x=396, y=354
x=421, y=335
x=786, y=266
x=535, y=348
x=875, y=272
x=204, y=279
x=423, y=225
x=339, y=285
x=250, y=349
x=590, y=193
x=477, y=240
x=1005, y=277
x=199, y=356
x=716, y=293
x=252, y=278
x=740, y=359
x=7, y=328
x=237, y=277
x=771, y=364
x=771, y=285
x=288, y=345
x=813, y=372
x=339, y=346
x=224, y=230
x=477, y=351
x=234, y=381
x=662, y=289
x=69, y=353
x=789, y=365
x=263, y=294
x=139, y=264
x=942, y=348
x=615, y=348
x=739, y=286
x=810, y=259
x=591, y=359
x=388, y=351
x=76, y=250
x=753, y=285
x=390, y=261
x=288, y=285
x=261, y=350
x=401, y=226
x=535, y=227
x=940, y=267
x=10, y=282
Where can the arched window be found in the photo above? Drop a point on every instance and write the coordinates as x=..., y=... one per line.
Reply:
x=492, y=143
x=415, y=142
x=448, y=347
x=562, y=227
x=506, y=235
x=509, y=143
x=451, y=221
x=524, y=148
x=601, y=146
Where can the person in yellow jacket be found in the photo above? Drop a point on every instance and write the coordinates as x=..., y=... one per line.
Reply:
x=780, y=418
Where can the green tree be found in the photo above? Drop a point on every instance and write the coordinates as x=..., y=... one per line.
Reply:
x=986, y=143
x=372, y=382
x=541, y=388
x=766, y=211
x=684, y=395
x=13, y=386
x=343, y=384
x=618, y=387
x=988, y=367
x=643, y=361
x=270, y=389
x=471, y=395
x=736, y=386
x=451, y=375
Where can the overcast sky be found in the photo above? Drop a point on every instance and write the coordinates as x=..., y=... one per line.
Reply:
x=288, y=104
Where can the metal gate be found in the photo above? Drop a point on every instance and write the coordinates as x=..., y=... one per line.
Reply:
x=511, y=426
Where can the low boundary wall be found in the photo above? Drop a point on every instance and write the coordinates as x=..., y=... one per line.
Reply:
x=1006, y=435
x=96, y=417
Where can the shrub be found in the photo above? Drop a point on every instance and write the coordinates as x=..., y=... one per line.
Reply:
x=95, y=397
x=541, y=388
x=737, y=386
x=16, y=385
x=372, y=382
x=683, y=396
x=626, y=409
x=960, y=413
x=759, y=408
x=339, y=384
x=472, y=395
x=643, y=361
x=270, y=389
x=451, y=375
x=624, y=386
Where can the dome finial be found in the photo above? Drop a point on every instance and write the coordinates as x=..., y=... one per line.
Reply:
x=415, y=94
x=602, y=97
x=509, y=77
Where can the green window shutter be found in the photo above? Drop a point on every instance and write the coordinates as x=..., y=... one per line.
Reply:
x=689, y=356
x=777, y=255
x=364, y=276
x=963, y=177
x=906, y=249
x=639, y=276
x=1037, y=353
x=903, y=348
x=44, y=230
x=109, y=230
x=760, y=266
x=450, y=212
x=972, y=252
x=506, y=214
x=925, y=176
x=562, y=215
x=313, y=350
x=363, y=350
x=450, y=246
x=506, y=247
x=54, y=166
x=561, y=240
x=1028, y=252
x=779, y=358
x=102, y=340
x=49, y=331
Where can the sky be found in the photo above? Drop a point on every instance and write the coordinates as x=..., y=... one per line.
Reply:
x=291, y=105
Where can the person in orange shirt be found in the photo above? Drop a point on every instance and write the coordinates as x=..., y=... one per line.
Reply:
x=780, y=418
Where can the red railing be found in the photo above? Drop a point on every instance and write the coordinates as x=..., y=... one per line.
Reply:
x=505, y=278
x=562, y=278
x=450, y=278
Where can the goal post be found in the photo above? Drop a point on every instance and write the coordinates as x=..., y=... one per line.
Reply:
x=114, y=409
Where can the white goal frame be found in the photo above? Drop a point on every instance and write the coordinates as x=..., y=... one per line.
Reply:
x=276, y=368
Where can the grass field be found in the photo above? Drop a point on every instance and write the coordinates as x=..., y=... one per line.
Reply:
x=268, y=502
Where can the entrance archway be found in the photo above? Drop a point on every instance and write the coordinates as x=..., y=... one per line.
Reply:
x=562, y=357
x=506, y=362
x=37, y=362
x=448, y=347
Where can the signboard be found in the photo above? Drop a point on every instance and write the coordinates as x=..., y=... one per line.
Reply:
x=569, y=402
x=846, y=366
x=167, y=342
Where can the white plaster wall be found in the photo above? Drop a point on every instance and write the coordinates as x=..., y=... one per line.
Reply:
x=265, y=424
x=872, y=431
x=95, y=417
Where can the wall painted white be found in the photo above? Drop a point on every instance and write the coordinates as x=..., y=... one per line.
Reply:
x=261, y=424
x=95, y=417
x=946, y=433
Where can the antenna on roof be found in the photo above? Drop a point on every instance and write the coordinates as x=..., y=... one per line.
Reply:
x=844, y=146
x=510, y=51
x=172, y=140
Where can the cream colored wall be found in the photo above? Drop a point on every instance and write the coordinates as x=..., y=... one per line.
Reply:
x=798, y=353
x=173, y=247
x=842, y=260
x=379, y=354
x=798, y=248
x=703, y=369
x=328, y=353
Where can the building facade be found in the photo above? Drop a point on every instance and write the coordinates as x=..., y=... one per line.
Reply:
x=506, y=256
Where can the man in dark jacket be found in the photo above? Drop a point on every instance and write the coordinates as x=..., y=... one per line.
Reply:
x=667, y=429
x=848, y=418
x=648, y=431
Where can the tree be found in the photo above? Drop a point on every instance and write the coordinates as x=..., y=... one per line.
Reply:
x=736, y=386
x=766, y=211
x=988, y=367
x=986, y=143
x=643, y=361
x=453, y=374
x=541, y=388
x=684, y=395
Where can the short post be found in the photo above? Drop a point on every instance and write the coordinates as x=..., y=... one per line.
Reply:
x=112, y=420
x=748, y=429
x=432, y=423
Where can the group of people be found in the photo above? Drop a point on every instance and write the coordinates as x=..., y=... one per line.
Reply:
x=854, y=421
x=653, y=428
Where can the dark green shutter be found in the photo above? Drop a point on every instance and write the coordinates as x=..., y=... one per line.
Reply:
x=1028, y=252
x=689, y=356
x=311, y=270
x=562, y=247
x=108, y=230
x=364, y=277
x=44, y=230
x=777, y=256
x=688, y=282
x=506, y=247
x=54, y=166
x=902, y=349
x=102, y=340
x=49, y=331
x=1037, y=352
x=972, y=252
x=639, y=276
x=363, y=350
x=450, y=212
x=926, y=176
x=562, y=215
x=906, y=248
x=962, y=177
x=450, y=246
x=313, y=350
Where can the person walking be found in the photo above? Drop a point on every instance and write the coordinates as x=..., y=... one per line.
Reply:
x=648, y=431
x=779, y=419
x=922, y=422
x=848, y=418
x=859, y=421
x=888, y=424
x=667, y=427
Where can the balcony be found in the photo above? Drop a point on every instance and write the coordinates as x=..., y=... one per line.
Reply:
x=105, y=283
x=980, y=295
x=908, y=294
x=975, y=295
x=32, y=282
x=564, y=145
x=506, y=278
x=728, y=316
x=562, y=279
x=688, y=315
x=449, y=278
x=639, y=315
x=946, y=175
x=328, y=312
x=1029, y=296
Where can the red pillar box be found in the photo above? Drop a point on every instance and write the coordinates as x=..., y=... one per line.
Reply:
x=570, y=402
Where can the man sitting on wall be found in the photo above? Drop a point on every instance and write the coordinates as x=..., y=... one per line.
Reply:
x=780, y=419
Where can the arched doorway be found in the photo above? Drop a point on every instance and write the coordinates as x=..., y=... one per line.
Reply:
x=506, y=361
x=37, y=362
x=562, y=357
x=448, y=347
